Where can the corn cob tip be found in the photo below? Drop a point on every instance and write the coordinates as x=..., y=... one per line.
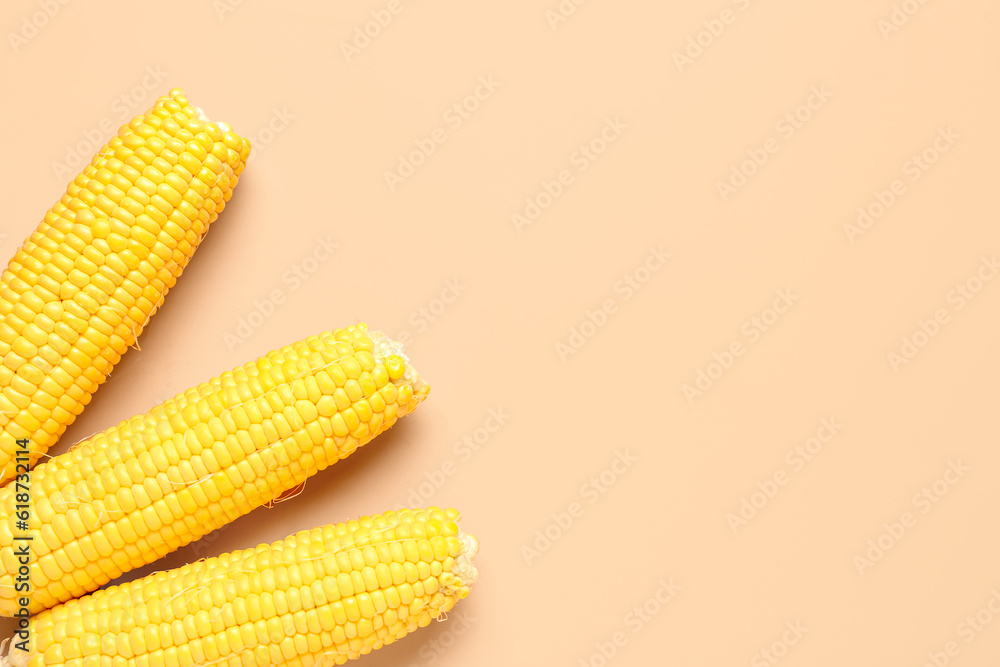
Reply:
x=180, y=96
x=9, y=657
x=465, y=568
x=205, y=118
x=391, y=354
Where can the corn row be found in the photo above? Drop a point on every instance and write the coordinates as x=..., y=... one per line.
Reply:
x=159, y=481
x=319, y=597
x=82, y=287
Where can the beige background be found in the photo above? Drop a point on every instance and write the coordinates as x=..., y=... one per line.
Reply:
x=327, y=127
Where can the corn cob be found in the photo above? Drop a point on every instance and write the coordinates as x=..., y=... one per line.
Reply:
x=82, y=287
x=321, y=596
x=156, y=482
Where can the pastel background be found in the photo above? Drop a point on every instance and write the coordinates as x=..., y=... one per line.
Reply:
x=707, y=294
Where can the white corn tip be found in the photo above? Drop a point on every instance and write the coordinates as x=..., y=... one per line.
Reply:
x=465, y=569
x=10, y=656
x=386, y=347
